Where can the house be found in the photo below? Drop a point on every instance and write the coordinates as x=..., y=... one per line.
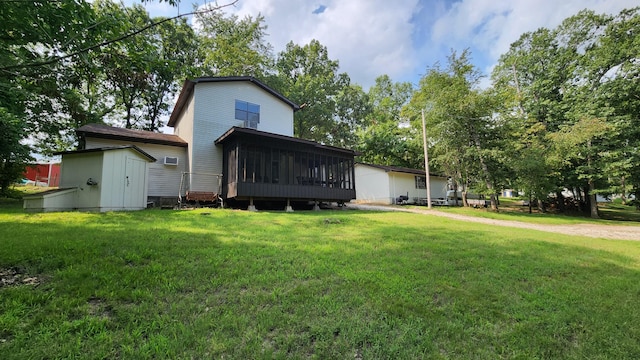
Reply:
x=43, y=174
x=241, y=130
x=232, y=139
x=99, y=179
x=378, y=184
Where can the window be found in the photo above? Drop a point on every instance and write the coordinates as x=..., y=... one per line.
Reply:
x=249, y=113
x=421, y=182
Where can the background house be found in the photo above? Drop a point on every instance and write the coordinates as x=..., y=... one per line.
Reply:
x=378, y=184
x=43, y=174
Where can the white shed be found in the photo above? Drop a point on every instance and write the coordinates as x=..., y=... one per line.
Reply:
x=99, y=179
x=378, y=184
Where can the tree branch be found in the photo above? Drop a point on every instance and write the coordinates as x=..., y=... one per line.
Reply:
x=108, y=42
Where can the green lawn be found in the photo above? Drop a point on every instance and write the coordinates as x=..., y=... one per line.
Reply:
x=331, y=284
x=513, y=210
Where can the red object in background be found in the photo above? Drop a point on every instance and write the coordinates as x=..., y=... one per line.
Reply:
x=43, y=174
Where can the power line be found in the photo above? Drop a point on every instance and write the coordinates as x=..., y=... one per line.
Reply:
x=108, y=42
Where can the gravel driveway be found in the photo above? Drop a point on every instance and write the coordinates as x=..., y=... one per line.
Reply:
x=617, y=232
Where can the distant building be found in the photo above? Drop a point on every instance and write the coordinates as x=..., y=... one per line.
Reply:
x=380, y=184
x=43, y=174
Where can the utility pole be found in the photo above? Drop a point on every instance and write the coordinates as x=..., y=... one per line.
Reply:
x=426, y=160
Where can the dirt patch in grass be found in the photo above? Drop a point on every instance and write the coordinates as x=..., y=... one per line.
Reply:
x=15, y=277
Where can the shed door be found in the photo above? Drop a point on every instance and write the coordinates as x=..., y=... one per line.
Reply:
x=134, y=183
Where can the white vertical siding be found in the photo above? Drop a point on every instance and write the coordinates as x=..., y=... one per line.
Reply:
x=163, y=180
x=76, y=169
x=372, y=185
x=376, y=185
x=184, y=129
x=113, y=188
x=214, y=114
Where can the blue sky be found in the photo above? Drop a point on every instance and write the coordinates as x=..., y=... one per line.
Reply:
x=403, y=38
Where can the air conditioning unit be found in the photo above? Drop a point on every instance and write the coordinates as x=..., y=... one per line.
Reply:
x=170, y=160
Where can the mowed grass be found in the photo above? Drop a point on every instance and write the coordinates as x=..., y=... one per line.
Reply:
x=327, y=285
x=610, y=214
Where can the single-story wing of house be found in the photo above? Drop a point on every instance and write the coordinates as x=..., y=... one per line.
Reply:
x=380, y=184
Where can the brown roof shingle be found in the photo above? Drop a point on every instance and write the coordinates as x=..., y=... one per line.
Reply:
x=109, y=132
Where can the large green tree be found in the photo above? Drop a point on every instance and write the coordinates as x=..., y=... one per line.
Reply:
x=14, y=155
x=307, y=76
x=566, y=81
x=386, y=137
x=466, y=136
x=36, y=83
x=233, y=46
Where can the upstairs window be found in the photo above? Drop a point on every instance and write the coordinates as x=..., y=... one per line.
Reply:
x=249, y=113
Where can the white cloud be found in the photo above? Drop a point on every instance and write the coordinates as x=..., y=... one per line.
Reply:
x=490, y=26
x=402, y=38
x=369, y=38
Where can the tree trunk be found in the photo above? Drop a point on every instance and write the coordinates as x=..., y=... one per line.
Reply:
x=593, y=201
x=465, y=203
x=494, y=202
x=592, y=186
x=485, y=170
x=455, y=192
x=560, y=200
x=530, y=205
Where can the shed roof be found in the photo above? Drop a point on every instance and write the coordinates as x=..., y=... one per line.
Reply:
x=109, y=132
x=109, y=148
x=187, y=90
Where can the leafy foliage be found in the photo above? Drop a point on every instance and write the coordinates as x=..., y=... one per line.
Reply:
x=13, y=154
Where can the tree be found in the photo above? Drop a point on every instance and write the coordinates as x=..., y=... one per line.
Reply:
x=173, y=60
x=352, y=110
x=387, y=138
x=468, y=140
x=234, y=47
x=14, y=155
x=307, y=76
x=569, y=77
x=34, y=81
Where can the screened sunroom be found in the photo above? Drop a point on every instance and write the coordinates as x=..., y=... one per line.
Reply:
x=265, y=166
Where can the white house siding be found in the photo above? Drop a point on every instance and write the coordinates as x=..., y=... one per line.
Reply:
x=184, y=129
x=214, y=114
x=403, y=184
x=375, y=185
x=164, y=180
x=372, y=185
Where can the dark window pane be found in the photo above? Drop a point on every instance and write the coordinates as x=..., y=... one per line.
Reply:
x=241, y=115
x=242, y=105
x=253, y=108
x=253, y=117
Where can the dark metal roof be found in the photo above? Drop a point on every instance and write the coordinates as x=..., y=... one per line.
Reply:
x=187, y=90
x=241, y=131
x=110, y=132
x=399, y=169
x=109, y=148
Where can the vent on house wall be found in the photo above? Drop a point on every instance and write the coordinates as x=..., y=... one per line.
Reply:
x=169, y=160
